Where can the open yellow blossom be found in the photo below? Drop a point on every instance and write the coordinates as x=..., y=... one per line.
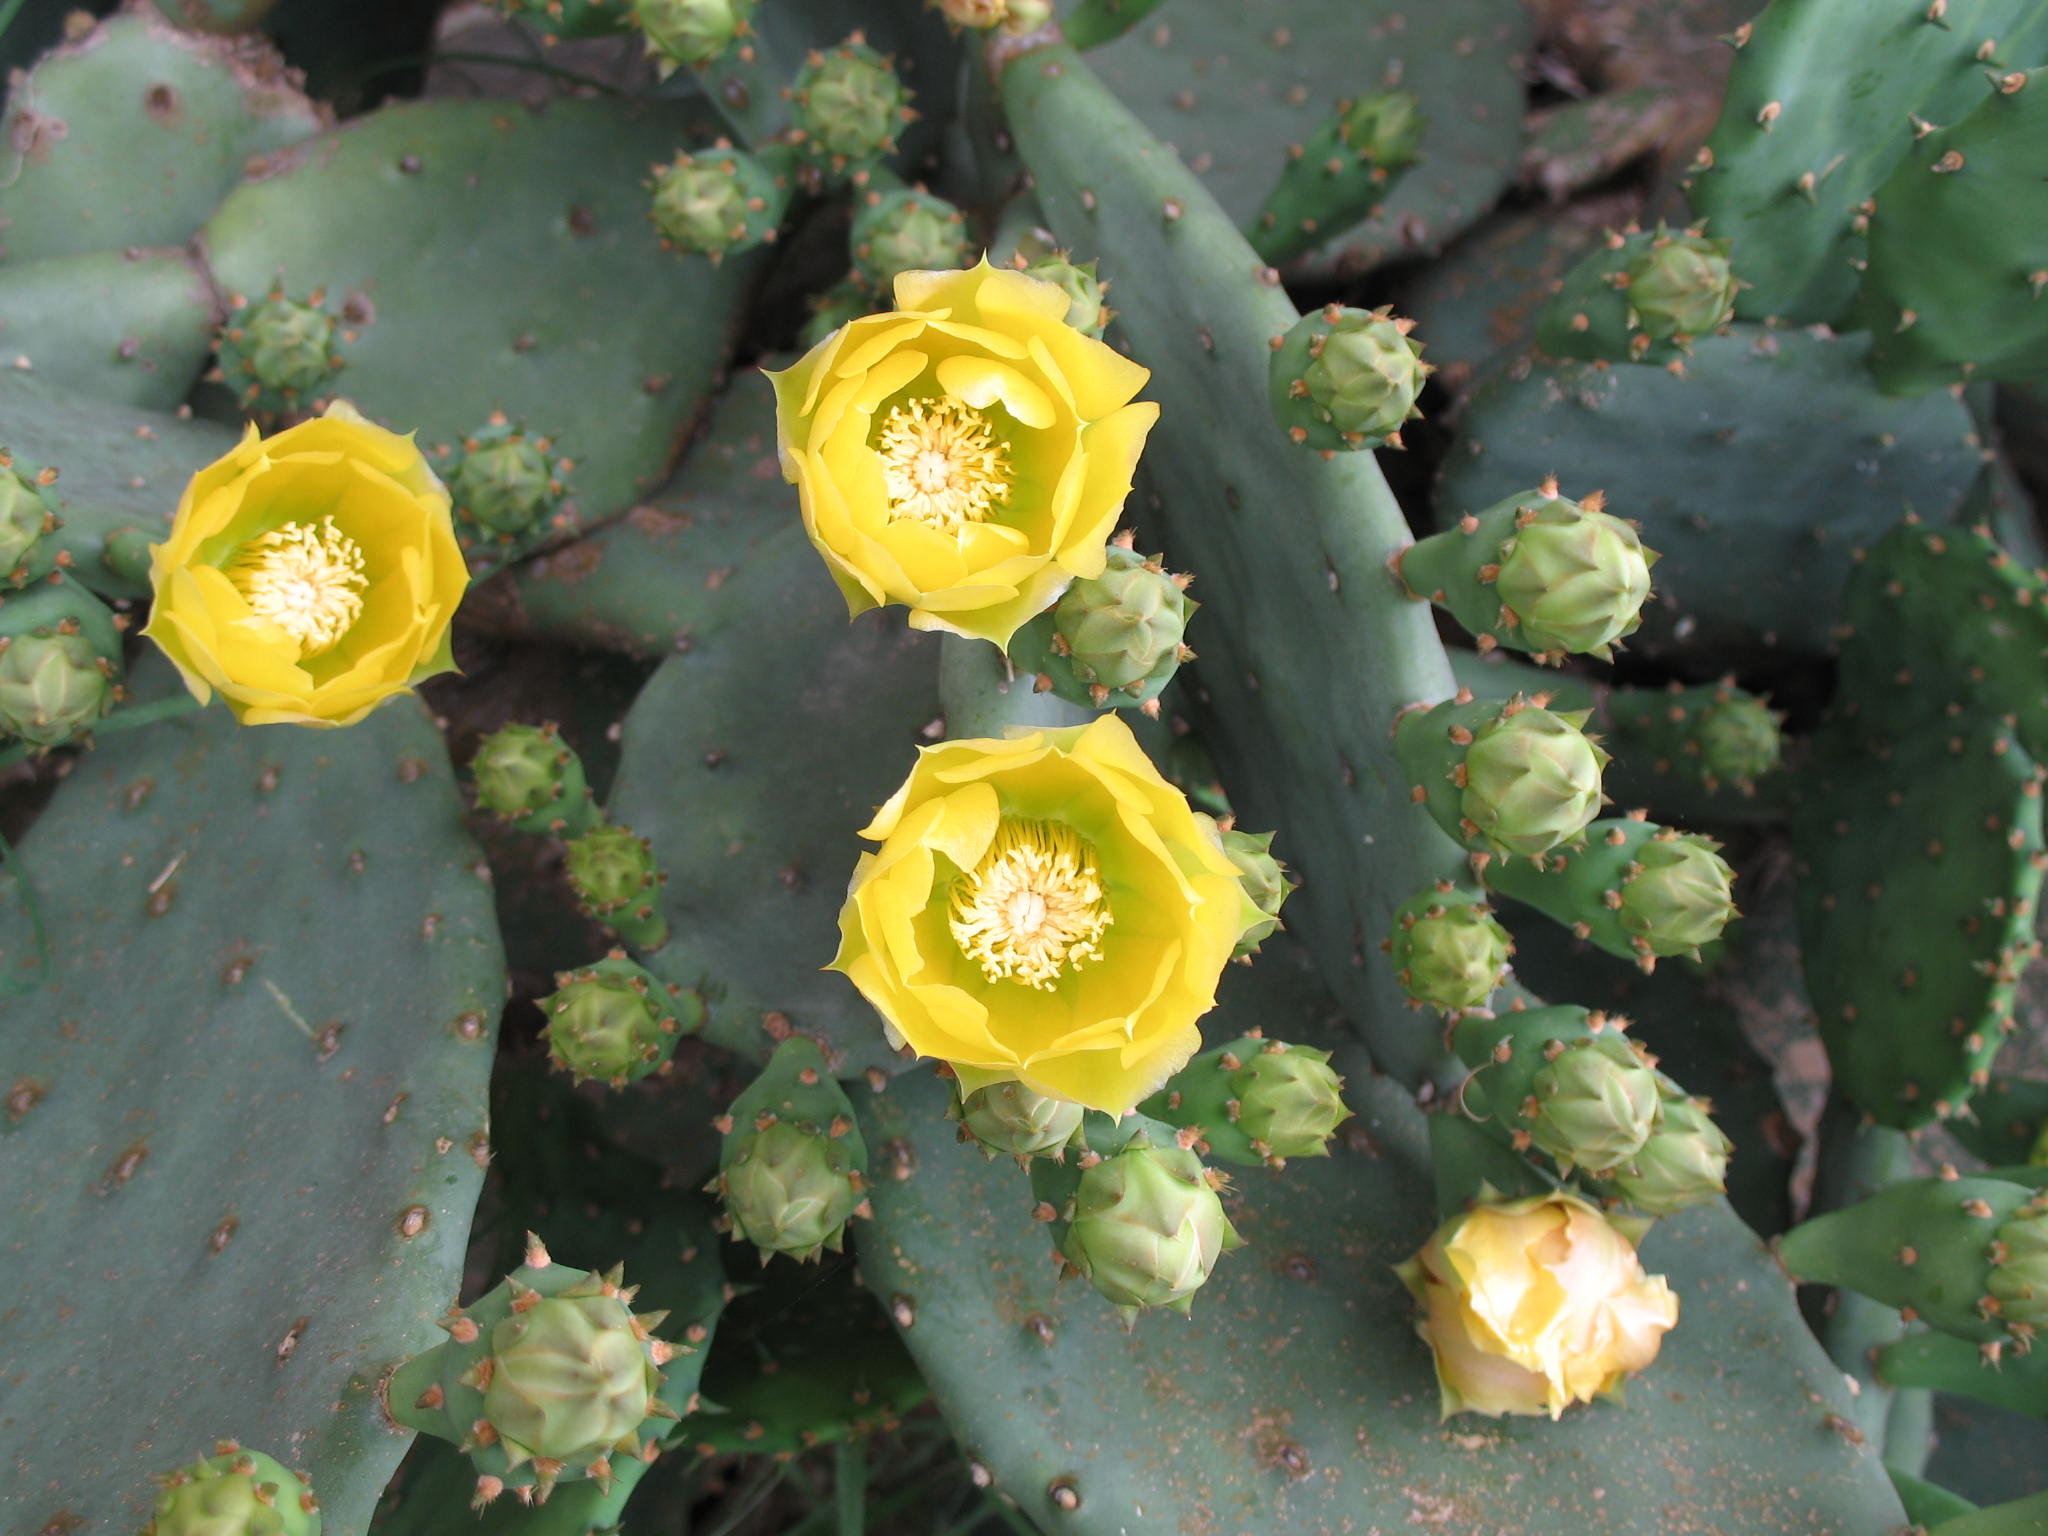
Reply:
x=309, y=576
x=1045, y=909
x=966, y=455
x=1533, y=1305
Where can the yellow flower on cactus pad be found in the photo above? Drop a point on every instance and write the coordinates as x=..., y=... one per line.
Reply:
x=966, y=455
x=1044, y=909
x=1533, y=1305
x=309, y=576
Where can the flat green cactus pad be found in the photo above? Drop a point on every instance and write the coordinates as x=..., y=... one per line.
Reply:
x=1232, y=87
x=532, y=282
x=1775, y=462
x=1298, y=1398
x=261, y=942
x=132, y=134
x=132, y=327
x=120, y=471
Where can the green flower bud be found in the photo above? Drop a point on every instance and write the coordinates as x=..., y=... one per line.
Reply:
x=789, y=1188
x=693, y=32
x=1680, y=286
x=505, y=483
x=1123, y=629
x=1087, y=313
x=718, y=201
x=60, y=659
x=1573, y=577
x=528, y=775
x=1596, y=1103
x=1010, y=1118
x=1684, y=1162
x=1678, y=897
x=278, y=355
x=1738, y=738
x=1532, y=780
x=1346, y=379
x=906, y=231
x=1448, y=950
x=561, y=20
x=847, y=106
x=614, y=873
x=2019, y=1267
x=1147, y=1229
x=834, y=308
x=25, y=516
x=616, y=1023
x=1289, y=1101
x=1264, y=879
x=571, y=1377
x=234, y=1493
x=1384, y=127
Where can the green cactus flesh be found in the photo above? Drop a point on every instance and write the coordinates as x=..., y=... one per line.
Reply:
x=363, y=989
x=566, y=19
x=611, y=369
x=1346, y=168
x=132, y=327
x=1775, y=460
x=1802, y=145
x=187, y=112
x=1254, y=1101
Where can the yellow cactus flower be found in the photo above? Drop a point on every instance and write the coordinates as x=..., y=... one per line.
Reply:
x=1044, y=909
x=966, y=455
x=309, y=576
x=1533, y=1305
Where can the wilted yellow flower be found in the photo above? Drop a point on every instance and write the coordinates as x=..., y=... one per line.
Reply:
x=1045, y=909
x=1533, y=1305
x=966, y=455
x=311, y=575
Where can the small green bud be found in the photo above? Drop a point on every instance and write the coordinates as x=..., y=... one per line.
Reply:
x=1289, y=1101
x=1011, y=1119
x=1738, y=738
x=1678, y=897
x=1449, y=952
x=833, y=308
x=1345, y=379
x=504, y=483
x=571, y=1378
x=1574, y=577
x=1680, y=286
x=1532, y=780
x=615, y=1023
x=528, y=775
x=234, y=1493
x=1384, y=127
x=2019, y=1267
x=847, y=106
x=561, y=20
x=279, y=354
x=790, y=1188
x=1264, y=879
x=717, y=201
x=1684, y=1162
x=1147, y=1229
x=1123, y=629
x=1086, y=312
x=906, y=231
x=692, y=32
x=614, y=873
x=1596, y=1103
x=60, y=659
x=25, y=516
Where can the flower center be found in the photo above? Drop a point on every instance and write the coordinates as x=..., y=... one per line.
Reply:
x=1032, y=907
x=305, y=578
x=942, y=463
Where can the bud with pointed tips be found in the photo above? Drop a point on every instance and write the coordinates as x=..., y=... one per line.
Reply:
x=60, y=663
x=1684, y=1162
x=1678, y=897
x=1264, y=879
x=1448, y=950
x=847, y=106
x=907, y=230
x=1012, y=1120
x=234, y=1492
x=614, y=873
x=1087, y=313
x=279, y=354
x=27, y=512
x=505, y=483
x=692, y=32
x=1596, y=1103
x=615, y=1022
x=532, y=778
x=1147, y=1229
x=1114, y=640
x=1345, y=379
x=719, y=200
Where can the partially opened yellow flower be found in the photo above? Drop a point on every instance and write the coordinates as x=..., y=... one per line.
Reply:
x=1533, y=1305
x=966, y=455
x=309, y=576
x=1044, y=909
